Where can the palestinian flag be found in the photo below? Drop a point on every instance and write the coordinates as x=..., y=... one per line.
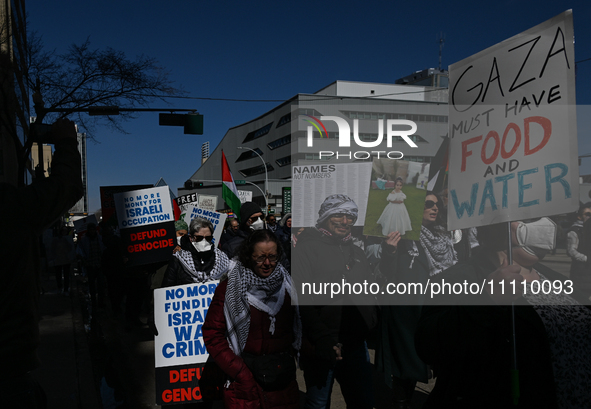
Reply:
x=229, y=191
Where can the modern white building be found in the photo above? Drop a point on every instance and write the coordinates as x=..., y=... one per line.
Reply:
x=267, y=147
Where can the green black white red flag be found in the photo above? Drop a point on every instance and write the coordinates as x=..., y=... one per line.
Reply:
x=229, y=191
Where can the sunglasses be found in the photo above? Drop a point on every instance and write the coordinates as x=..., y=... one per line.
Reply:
x=199, y=238
x=429, y=204
x=255, y=218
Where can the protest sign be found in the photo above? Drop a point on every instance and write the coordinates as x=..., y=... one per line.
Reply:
x=314, y=183
x=245, y=196
x=395, y=198
x=216, y=218
x=81, y=225
x=180, y=353
x=207, y=202
x=108, y=200
x=184, y=201
x=512, y=128
x=146, y=224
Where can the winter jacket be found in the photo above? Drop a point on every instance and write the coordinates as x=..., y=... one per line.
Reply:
x=243, y=391
x=469, y=347
x=230, y=247
x=327, y=321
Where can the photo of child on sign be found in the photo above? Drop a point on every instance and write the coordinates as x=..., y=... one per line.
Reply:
x=396, y=196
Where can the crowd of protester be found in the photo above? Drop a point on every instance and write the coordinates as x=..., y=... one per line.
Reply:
x=255, y=322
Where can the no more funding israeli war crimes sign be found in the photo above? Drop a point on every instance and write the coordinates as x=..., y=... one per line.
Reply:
x=180, y=353
x=512, y=129
x=146, y=223
x=216, y=218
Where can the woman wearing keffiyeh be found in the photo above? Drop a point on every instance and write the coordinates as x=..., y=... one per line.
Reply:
x=252, y=315
x=407, y=261
x=198, y=260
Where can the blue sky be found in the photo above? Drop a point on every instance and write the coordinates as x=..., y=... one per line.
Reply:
x=274, y=50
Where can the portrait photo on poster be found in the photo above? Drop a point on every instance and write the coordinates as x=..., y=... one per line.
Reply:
x=395, y=199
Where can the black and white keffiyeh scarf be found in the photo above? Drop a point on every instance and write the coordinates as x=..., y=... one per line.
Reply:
x=244, y=289
x=220, y=266
x=439, y=249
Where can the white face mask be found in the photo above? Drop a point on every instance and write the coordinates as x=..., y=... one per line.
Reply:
x=178, y=240
x=202, y=245
x=537, y=238
x=258, y=225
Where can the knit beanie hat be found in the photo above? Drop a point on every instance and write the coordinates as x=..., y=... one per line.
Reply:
x=337, y=204
x=248, y=209
x=180, y=225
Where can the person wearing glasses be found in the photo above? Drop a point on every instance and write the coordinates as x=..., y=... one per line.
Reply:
x=408, y=261
x=198, y=260
x=579, y=270
x=253, y=329
x=251, y=219
x=335, y=329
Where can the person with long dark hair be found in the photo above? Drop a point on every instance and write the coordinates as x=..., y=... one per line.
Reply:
x=408, y=261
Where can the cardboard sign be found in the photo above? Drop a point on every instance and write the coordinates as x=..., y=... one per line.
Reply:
x=216, y=218
x=81, y=225
x=207, y=202
x=180, y=353
x=512, y=129
x=245, y=196
x=184, y=201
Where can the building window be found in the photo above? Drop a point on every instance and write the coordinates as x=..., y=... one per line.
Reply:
x=256, y=170
x=279, y=142
x=249, y=155
x=258, y=133
x=311, y=112
x=285, y=119
x=283, y=161
x=315, y=156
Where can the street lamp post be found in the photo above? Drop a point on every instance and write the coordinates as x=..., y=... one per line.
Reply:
x=266, y=176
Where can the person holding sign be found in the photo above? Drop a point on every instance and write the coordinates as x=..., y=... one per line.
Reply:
x=198, y=260
x=335, y=329
x=408, y=261
x=468, y=338
x=253, y=331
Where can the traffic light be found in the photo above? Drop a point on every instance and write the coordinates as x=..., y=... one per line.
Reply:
x=193, y=123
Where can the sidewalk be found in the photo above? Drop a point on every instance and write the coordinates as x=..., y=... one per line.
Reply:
x=99, y=363
x=66, y=372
